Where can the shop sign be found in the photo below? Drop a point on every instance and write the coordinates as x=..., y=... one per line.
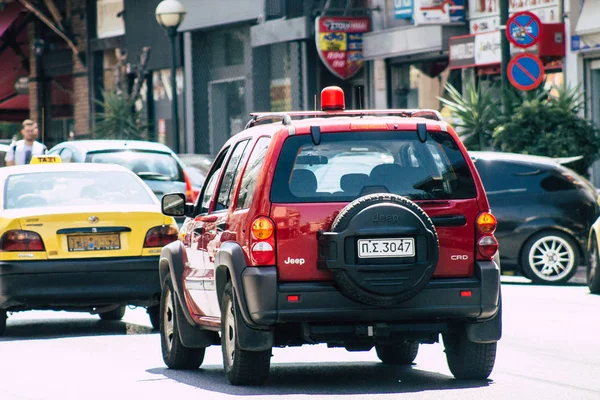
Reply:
x=403, y=9
x=339, y=43
x=587, y=42
x=475, y=50
x=462, y=51
x=22, y=85
x=439, y=11
x=485, y=14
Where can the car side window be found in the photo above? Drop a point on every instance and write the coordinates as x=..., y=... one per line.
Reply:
x=250, y=176
x=208, y=189
x=515, y=178
x=230, y=174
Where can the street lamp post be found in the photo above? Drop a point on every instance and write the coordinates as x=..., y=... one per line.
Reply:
x=170, y=14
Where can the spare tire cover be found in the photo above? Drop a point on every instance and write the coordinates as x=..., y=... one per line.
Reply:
x=383, y=279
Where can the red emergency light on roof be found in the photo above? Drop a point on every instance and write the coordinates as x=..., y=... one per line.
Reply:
x=332, y=99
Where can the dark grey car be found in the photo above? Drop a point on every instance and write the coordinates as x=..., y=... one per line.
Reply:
x=544, y=212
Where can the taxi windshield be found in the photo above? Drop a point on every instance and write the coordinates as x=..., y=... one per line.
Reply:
x=74, y=188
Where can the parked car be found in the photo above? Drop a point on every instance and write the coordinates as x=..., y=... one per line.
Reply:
x=196, y=166
x=544, y=212
x=154, y=162
x=79, y=238
x=351, y=228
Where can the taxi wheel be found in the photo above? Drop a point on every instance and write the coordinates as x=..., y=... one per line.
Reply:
x=3, y=318
x=398, y=354
x=242, y=367
x=175, y=354
x=154, y=315
x=113, y=315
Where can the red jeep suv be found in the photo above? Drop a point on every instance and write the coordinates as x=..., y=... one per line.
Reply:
x=358, y=229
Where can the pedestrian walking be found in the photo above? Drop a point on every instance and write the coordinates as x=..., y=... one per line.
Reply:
x=20, y=152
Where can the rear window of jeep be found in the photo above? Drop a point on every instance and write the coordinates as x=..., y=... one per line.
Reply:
x=345, y=166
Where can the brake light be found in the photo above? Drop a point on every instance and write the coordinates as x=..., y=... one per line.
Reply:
x=486, y=223
x=18, y=240
x=189, y=189
x=487, y=247
x=262, y=242
x=160, y=236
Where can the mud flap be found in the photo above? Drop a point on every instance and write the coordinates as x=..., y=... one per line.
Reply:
x=192, y=336
x=250, y=339
x=486, y=332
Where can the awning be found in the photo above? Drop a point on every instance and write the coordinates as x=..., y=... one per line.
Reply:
x=203, y=14
x=588, y=22
x=407, y=41
x=8, y=16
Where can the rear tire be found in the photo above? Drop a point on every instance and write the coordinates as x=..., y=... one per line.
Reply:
x=469, y=360
x=593, y=268
x=398, y=354
x=154, y=315
x=113, y=315
x=175, y=354
x=3, y=318
x=242, y=367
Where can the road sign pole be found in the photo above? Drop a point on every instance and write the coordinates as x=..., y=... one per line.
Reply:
x=505, y=58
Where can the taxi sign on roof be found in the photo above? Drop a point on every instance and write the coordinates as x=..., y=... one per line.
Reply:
x=45, y=160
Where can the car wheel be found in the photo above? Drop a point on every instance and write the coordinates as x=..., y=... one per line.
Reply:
x=466, y=359
x=242, y=367
x=398, y=354
x=175, y=354
x=3, y=318
x=593, y=271
x=154, y=315
x=550, y=258
x=383, y=281
x=113, y=315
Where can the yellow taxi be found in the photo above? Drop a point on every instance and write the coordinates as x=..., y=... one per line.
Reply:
x=79, y=237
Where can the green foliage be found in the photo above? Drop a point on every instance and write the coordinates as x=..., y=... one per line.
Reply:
x=550, y=126
x=120, y=119
x=477, y=112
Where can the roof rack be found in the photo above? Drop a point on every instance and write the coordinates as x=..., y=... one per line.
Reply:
x=286, y=117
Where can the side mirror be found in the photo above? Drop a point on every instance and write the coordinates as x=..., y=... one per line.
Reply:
x=173, y=205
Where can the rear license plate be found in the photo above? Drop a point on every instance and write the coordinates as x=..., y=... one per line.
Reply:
x=110, y=241
x=373, y=248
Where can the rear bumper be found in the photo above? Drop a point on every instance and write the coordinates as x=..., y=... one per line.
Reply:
x=441, y=300
x=73, y=284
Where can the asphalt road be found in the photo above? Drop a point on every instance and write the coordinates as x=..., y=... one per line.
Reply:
x=550, y=350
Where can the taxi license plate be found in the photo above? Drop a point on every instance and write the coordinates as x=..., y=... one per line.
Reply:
x=374, y=248
x=109, y=241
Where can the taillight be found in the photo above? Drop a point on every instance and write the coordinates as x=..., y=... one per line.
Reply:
x=189, y=189
x=486, y=223
x=262, y=242
x=160, y=236
x=487, y=245
x=17, y=240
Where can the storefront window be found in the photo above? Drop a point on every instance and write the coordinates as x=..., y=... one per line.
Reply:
x=281, y=78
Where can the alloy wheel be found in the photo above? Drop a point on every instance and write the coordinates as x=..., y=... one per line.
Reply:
x=230, y=332
x=551, y=258
x=168, y=319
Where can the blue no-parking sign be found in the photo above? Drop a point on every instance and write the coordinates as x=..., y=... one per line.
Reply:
x=525, y=71
x=524, y=29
